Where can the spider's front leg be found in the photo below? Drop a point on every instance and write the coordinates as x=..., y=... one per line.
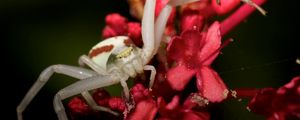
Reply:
x=87, y=84
x=85, y=60
x=76, y=72
x=152, y=75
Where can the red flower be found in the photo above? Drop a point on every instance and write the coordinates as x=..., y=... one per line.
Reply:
x=139, y=93
x=101, y=96
x=134, y=32
x=194, y=52
x=278, y=104
x=190, y=19
x=173, y=110
x=78, y=106
x=148, y=109
x=144, y=110
x=117, y=25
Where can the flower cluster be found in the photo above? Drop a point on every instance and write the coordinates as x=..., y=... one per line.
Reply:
x=185, y=82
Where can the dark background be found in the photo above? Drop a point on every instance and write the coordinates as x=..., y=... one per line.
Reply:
x=40, y=33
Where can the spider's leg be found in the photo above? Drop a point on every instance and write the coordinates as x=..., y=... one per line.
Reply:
x=85, y=60
x=180, y=2
x=125, y=87
x=91, y=102
x=152, y=75
x=87, y=84
x=162, y=19
x=148, y=31
x=76, y=72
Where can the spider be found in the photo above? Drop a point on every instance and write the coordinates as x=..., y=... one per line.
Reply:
x=112, y=61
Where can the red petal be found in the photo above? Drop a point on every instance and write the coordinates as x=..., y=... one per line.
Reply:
x=212, y=43
x=191, y=19
x=145, y=110
x=210, y=85
x=116, y=103
x=173, y=111
x=167, y=110
x=175, y=48
x=139, y=93
x=280, y=104
x=174, y=103
x=78, y=106
x=193, y=100
x=225, y=6
x=294, y=84
x=115, y=19
x=134, y=32
x=108, y=32
x=262, y=102
x=179, y=76
x=117, y=23
x=101, y=96
x=185, y=47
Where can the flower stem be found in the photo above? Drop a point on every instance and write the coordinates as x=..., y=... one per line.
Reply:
x=238, y=16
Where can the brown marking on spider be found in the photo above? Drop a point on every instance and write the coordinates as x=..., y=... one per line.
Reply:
x=128, y=42
x=100, y=50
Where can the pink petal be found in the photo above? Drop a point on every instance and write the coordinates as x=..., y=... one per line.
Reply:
x=117, y=22
x=293, y=84
x=165, y=109
x=115, y=25
x=116, y=103
x=191, y=19
x=78, y=106
x=210, y=85
x=212, y=43
x=134, y=32
x=139, y=93
x=194, y=100
x=175, y=48
x=179, y=76
x=185, y=47
x=262, y=102
x=144, y=110
x=174, y=103
x=278, y=104
x=108, y=32
x=101, y=97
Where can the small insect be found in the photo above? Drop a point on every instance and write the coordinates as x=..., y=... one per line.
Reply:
x=112, y=61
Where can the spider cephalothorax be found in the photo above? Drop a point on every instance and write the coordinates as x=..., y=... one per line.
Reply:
x=118, y=53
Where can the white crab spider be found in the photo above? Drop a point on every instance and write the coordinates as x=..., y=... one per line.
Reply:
x=112, y=61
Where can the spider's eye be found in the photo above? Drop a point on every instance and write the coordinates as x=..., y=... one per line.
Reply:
x=125, y=52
